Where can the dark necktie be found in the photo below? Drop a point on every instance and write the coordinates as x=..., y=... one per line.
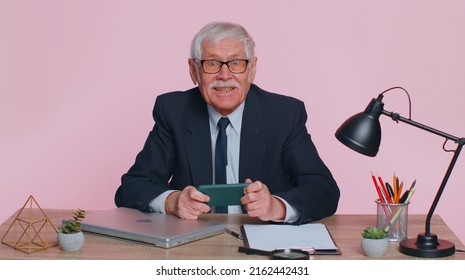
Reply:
x=221, y=158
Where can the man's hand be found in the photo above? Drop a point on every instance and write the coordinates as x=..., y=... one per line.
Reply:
x=259, y=202
x=187, y=204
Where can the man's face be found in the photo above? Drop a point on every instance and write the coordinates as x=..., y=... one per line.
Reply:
x=224, y=91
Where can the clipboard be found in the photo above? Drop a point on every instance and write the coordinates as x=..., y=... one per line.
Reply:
x=313, y=238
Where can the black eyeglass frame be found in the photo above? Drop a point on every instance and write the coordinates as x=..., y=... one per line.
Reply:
x=223, y=63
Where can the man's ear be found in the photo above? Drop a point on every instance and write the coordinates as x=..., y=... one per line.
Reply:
x=193, y=71
x=253, y=69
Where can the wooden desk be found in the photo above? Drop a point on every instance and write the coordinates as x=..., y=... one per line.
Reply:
x=345, y=230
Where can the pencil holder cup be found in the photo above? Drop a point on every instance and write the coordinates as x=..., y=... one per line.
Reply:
x=393, y=218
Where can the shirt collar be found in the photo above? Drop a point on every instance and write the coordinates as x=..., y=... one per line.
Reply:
x=235, y=118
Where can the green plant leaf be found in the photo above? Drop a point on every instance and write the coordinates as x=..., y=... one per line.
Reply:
x=74, y=225
x=374, y=233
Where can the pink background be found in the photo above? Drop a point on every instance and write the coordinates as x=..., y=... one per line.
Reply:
x=78, y=80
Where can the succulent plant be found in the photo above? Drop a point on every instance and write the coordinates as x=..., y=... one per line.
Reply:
x=374, y=233
x=73, y=225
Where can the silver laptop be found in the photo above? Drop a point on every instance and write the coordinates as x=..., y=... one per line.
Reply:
x=161, y=230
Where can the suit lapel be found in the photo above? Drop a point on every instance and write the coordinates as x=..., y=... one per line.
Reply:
x=253, y=146
x=198, y=144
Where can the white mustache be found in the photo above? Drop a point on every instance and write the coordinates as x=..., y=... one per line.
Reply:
x=224, y=84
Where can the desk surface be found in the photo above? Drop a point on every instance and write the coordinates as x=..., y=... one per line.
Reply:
x=345, y=230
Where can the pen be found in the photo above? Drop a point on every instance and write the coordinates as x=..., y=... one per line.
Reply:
x=404, y=196
x=410, y=194
x=390, y=191
x=247, y=250
x=413, y=184
x=406, y=193
x=233, y=233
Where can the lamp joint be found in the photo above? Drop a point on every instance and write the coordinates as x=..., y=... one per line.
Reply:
x=395, y=117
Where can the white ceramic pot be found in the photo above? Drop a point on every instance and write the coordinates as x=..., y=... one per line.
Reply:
x=70, y=242
x=375, y=248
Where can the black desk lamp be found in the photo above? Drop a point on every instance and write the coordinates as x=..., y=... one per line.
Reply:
x=362, y=133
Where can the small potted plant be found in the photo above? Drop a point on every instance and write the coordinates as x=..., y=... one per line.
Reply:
x=70, y=236
x=374, y=242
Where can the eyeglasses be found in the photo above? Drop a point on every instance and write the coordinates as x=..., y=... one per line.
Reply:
x=236, y=66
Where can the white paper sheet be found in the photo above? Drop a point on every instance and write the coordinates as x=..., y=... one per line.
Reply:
x=270, y=237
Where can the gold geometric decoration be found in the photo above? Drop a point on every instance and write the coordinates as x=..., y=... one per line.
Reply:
x=30, y=230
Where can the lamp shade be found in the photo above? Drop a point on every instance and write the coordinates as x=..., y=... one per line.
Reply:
x=362, y=131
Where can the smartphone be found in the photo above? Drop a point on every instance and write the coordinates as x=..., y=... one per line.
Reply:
x=223, y=194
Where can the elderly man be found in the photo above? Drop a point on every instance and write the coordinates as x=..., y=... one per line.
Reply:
x=264, y=134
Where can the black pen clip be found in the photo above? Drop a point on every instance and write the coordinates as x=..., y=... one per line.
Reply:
x=233, y=233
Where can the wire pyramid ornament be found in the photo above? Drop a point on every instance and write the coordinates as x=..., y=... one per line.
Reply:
x=31, y=230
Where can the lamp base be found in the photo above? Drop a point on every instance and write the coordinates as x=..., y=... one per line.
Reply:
x=427, y=246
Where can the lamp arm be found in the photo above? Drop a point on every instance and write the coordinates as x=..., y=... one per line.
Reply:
x=443, y=185
x=459, y=141
x=397, y=117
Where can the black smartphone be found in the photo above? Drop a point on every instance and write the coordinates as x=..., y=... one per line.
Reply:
x=223, y=194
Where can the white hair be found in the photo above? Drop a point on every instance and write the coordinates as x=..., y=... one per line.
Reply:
x=217, y=31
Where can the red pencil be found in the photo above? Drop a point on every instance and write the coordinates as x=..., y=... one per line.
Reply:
x=382, y=198
x=384, y=189
x=377, y=188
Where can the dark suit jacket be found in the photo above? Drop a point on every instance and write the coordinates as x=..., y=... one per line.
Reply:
x=275, y=148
